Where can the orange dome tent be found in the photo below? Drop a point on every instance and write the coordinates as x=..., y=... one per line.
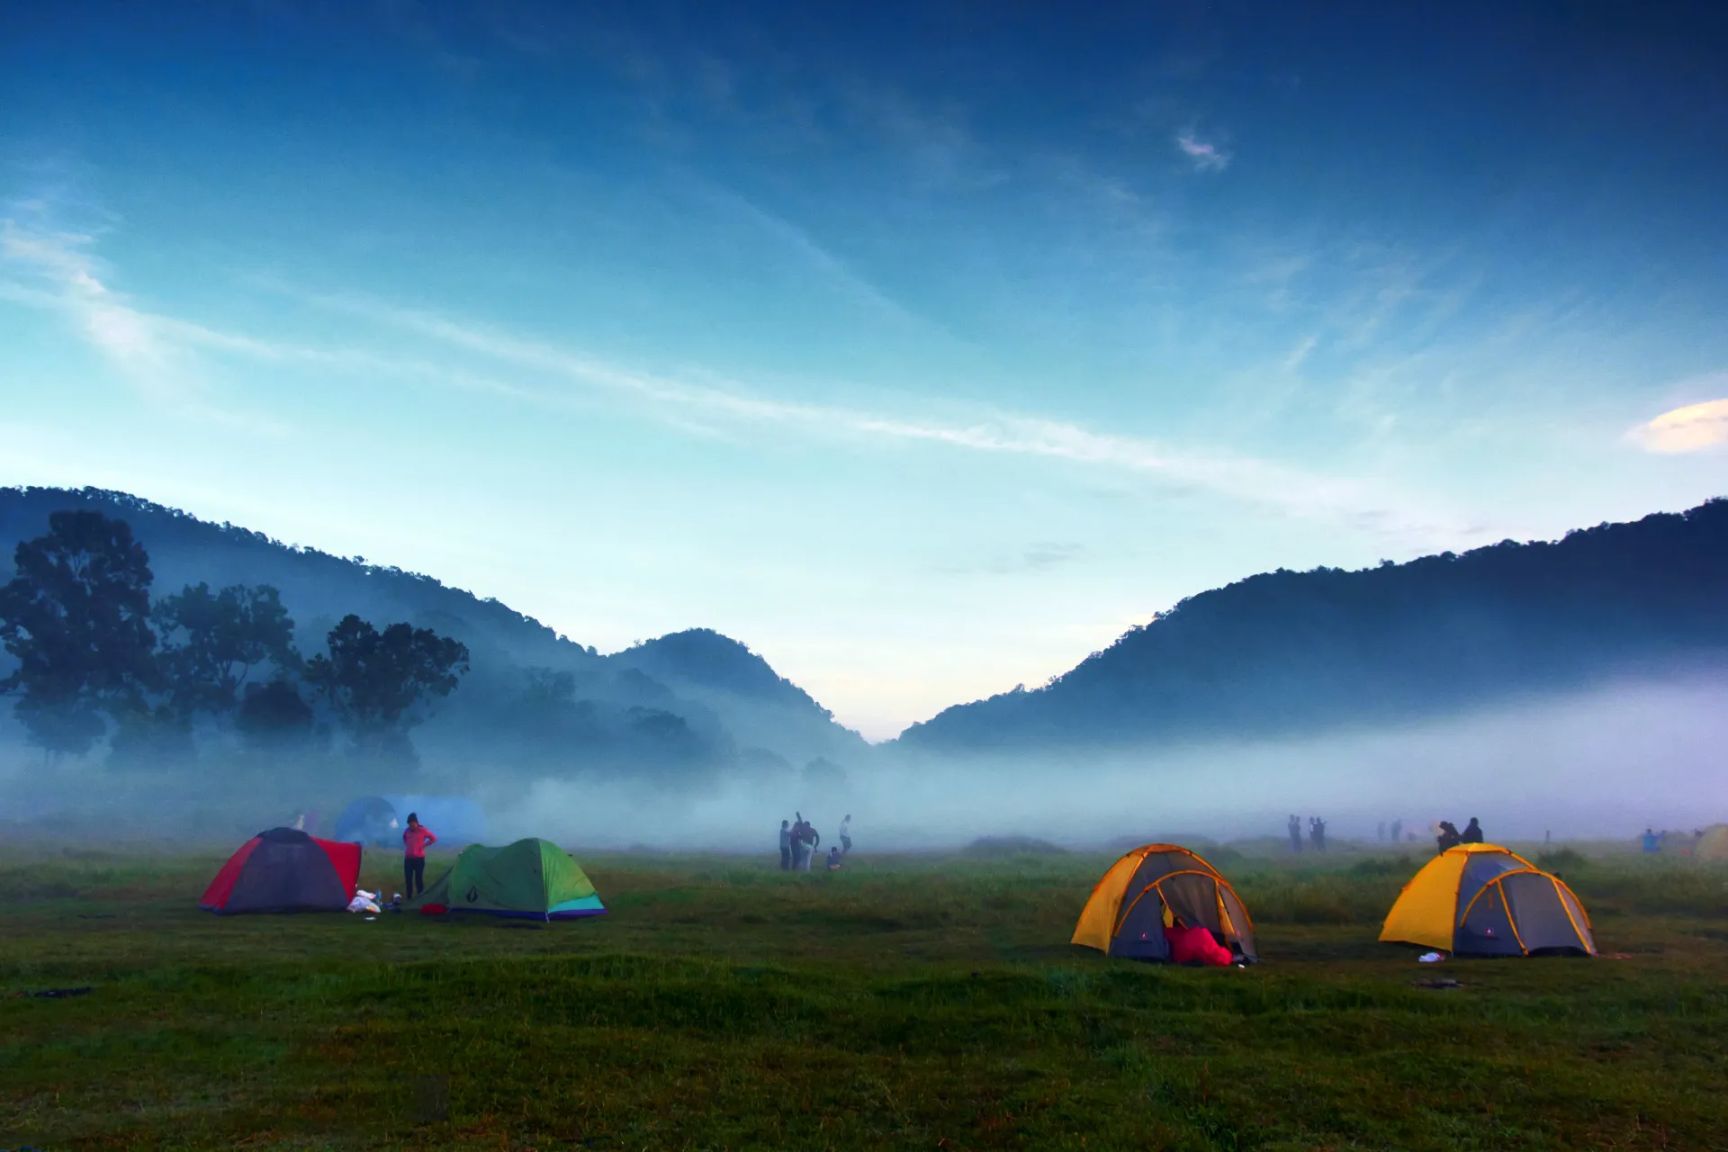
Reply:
x=1485, y=900
x=1150, y=886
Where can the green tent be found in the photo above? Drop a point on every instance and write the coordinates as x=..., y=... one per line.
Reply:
x=533, y=879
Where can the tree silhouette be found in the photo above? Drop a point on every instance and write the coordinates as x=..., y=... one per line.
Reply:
x=274, y=716
x=211, y=642
x=381, y=684
x=77, y=617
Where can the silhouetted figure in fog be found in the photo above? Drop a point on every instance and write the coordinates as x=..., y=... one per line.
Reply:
x=833, y=859
x=1397, y=830
x=785, y=846
x=805, y=839
x=1317, y=833
x=1449, y=837
x=846, y=835
x=1652, y=842
x=1472, y=833
x=1295, y=827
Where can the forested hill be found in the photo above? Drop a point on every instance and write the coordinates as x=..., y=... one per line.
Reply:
x=1288, y=651
x=691, y=702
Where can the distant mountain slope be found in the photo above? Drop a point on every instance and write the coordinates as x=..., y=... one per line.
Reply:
x=763, y=708
x=694, y=695
x=1288, y=651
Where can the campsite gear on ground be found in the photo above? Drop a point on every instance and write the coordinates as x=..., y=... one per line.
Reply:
x=363, y=901
x=530, y=879
x=284, y=870
x=1431, y=958
x=1152, y=886
x=1484, y=900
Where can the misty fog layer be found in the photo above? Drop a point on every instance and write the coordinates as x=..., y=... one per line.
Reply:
x=1607, y=764
x=1602, y=764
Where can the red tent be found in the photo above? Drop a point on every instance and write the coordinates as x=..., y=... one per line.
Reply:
x=285, y=870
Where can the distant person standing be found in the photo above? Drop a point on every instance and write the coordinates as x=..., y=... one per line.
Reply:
x=1295, y=827
x=812, y=841
x=1318, y=834
x=785, y=846
x=1651, y=841
x=1449, y=837
x=1397, y=830
x=846, y=835
x=415, y=839
x=1472, y=833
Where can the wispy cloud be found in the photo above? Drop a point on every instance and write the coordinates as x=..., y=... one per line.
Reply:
x=58, y=269
x=1693, y=428
x=797, y=239
x=1034, y=557
x=1258, y=482
x=1298, y=355
x=528, y=370
x=1206, y=156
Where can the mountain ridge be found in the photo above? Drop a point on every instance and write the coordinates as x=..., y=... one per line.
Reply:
x=724, y=680
x=1283, y=651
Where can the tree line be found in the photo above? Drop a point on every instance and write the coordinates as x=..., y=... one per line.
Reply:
x=98, y=660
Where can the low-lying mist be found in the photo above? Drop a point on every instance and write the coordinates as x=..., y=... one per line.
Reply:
x=1602, y=764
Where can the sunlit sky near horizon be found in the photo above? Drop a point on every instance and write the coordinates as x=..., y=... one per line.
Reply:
x=923, y=348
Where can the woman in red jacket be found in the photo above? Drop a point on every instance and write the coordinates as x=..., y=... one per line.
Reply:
x=415, y=838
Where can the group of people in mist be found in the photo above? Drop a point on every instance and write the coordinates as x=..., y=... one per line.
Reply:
x=799, y=842
x=1316, y=833
x=1447, y=834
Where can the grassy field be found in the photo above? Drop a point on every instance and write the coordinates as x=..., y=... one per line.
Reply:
x=904, y=1003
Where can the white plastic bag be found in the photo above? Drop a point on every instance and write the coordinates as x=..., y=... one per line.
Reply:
x=1431, y=958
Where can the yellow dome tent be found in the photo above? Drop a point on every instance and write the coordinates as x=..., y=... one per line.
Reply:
x=1130, y=906
x=1484, y=900
x=1713, y=844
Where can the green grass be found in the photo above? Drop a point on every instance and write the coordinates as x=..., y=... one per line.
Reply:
x=904, y=1003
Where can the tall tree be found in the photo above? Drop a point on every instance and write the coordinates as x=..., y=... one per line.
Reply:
x=275, y=717
x=76, y=615
x=213, y=641
x=381, y=684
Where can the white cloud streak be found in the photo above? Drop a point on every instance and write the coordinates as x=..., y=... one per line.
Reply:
x=1206, y=156
x=155, y=349
x=60, y=272
x=1258, y=482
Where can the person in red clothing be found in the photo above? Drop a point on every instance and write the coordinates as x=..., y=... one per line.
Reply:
x=415, y=838
x=1195, y=945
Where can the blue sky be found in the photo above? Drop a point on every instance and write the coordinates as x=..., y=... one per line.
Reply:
x=924, y=348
